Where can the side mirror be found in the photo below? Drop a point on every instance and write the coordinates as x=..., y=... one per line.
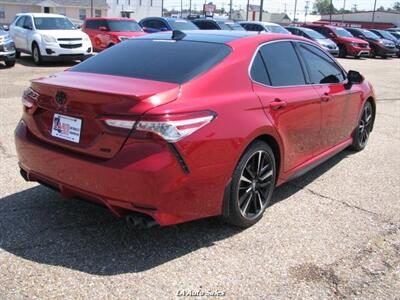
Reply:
x=331, y=34
x=78, y=27
x=353, y=77
x=6, y=28
x=103, y=28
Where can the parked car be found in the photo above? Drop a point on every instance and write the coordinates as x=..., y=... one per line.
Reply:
x=347, y=43
x=310, y=34
x=168, y=128
x=49, y=37
x=395, y=34
x=388, y=36
x=215, y=24
x=7, y=49
x=379, y=46
x=156, y=24
x=106, y=32
x=263, y=27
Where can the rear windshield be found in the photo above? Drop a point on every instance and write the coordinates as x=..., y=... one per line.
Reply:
x=230, y=26
x=277, y=29
x=159, y=60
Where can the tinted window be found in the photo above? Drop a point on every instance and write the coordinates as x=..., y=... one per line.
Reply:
x=342, y=32
x=28, y=22
x=209, y=25
x=258, y=72
x=321, y=67
x=156, y=24
x=282, y=64
x=167, y=61
x=45, y=23
x=277, y=29
x=20, y=22
x=92, y=24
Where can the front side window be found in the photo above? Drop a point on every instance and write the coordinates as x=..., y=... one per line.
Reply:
x=20, y=22
x=321, y=67
x=28, y=23
x=46, y=23
x=283, y=65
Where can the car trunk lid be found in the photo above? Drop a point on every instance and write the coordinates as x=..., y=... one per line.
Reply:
x=89, y=98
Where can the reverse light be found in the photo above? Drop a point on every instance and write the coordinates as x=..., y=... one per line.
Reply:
x=125, y=124
x=29, y=97
x=174, y=127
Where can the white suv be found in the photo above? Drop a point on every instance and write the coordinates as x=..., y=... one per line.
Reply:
x=49, y=37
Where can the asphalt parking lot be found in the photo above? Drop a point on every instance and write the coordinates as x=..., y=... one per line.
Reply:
x=335, y=232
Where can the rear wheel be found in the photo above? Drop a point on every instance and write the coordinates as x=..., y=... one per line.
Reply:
x=252, y=185
x=17, y=54
x=37, y=57
x=373, y=53
x=361, y=134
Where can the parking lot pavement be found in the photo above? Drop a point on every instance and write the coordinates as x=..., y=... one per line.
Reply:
x=335, y=232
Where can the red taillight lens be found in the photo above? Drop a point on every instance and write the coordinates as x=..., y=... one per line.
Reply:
x=174, y=127
x=29, y=98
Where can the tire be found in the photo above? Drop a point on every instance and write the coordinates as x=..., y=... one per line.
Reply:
x=36, y=56
x=342, y=51
x=384, y=56
x=373, y=53
x=364, y=127
x=10, y=63
x=357, y=57
x=252, y=185
x=17, y=54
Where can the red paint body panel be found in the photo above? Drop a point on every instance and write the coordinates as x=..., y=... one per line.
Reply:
x=144, y=174
x=103, y=39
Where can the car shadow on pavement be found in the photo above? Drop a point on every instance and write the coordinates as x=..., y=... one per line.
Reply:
x=28, y=62
x=39, y=225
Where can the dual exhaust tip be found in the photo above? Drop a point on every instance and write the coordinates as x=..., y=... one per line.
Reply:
x=139, y=221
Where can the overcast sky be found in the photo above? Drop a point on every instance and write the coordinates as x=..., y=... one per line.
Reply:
x=279, y=5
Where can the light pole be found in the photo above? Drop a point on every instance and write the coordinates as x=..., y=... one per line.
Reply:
x=91, y=8
x=261, y=10
x=247, y=10
x=230, y=9
x=344, y=7
x=330, y=13
x=373, y=13
x=162, y=8
x=295, y=10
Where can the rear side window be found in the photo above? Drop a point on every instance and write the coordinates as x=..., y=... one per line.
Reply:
x=283, y=65
x=321, y=67
x=258, y=72
x=166, y=60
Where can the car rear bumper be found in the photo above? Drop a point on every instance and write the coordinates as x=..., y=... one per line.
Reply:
x=145, y=177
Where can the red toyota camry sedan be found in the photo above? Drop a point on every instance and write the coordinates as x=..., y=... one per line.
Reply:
x=172, y=127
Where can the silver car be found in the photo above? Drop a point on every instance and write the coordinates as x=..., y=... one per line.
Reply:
x=7, y=48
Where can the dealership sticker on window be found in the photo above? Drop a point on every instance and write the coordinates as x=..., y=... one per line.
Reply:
x=66, y=128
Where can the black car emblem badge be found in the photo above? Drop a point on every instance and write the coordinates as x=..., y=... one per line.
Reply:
x=61, y=98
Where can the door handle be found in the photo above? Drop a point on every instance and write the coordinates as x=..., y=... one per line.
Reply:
x=278, y=104
x=326, y=97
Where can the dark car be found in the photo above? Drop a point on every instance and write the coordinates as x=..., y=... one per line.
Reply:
x=389, y=36
x=168, y=128
x=212, y=24
x=7, y=49
x=157, y=24
x=347, y=43
x=324, y=42
x=379, y=46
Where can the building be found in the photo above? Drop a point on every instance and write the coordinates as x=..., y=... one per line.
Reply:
x=279, y=18
x=363, y=19
x=136, y=9
x=76, y=10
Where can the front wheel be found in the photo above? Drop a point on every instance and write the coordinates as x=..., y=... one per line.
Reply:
x=252, y=185
x=37, y=57
x=342, y=51
x=361, y=134
x=10, y=63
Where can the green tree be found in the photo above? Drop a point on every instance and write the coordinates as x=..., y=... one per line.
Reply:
x=396, y=6
x=323, y=7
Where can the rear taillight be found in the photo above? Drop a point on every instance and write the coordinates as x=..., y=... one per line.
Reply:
x=29, y=98
x=170, y=127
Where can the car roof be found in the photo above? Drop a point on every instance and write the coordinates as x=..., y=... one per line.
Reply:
x=260, y=23
x=41, y=15
x=223, y=36
x=109, y=18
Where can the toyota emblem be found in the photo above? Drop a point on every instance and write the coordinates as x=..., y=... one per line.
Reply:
x=61, y=98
